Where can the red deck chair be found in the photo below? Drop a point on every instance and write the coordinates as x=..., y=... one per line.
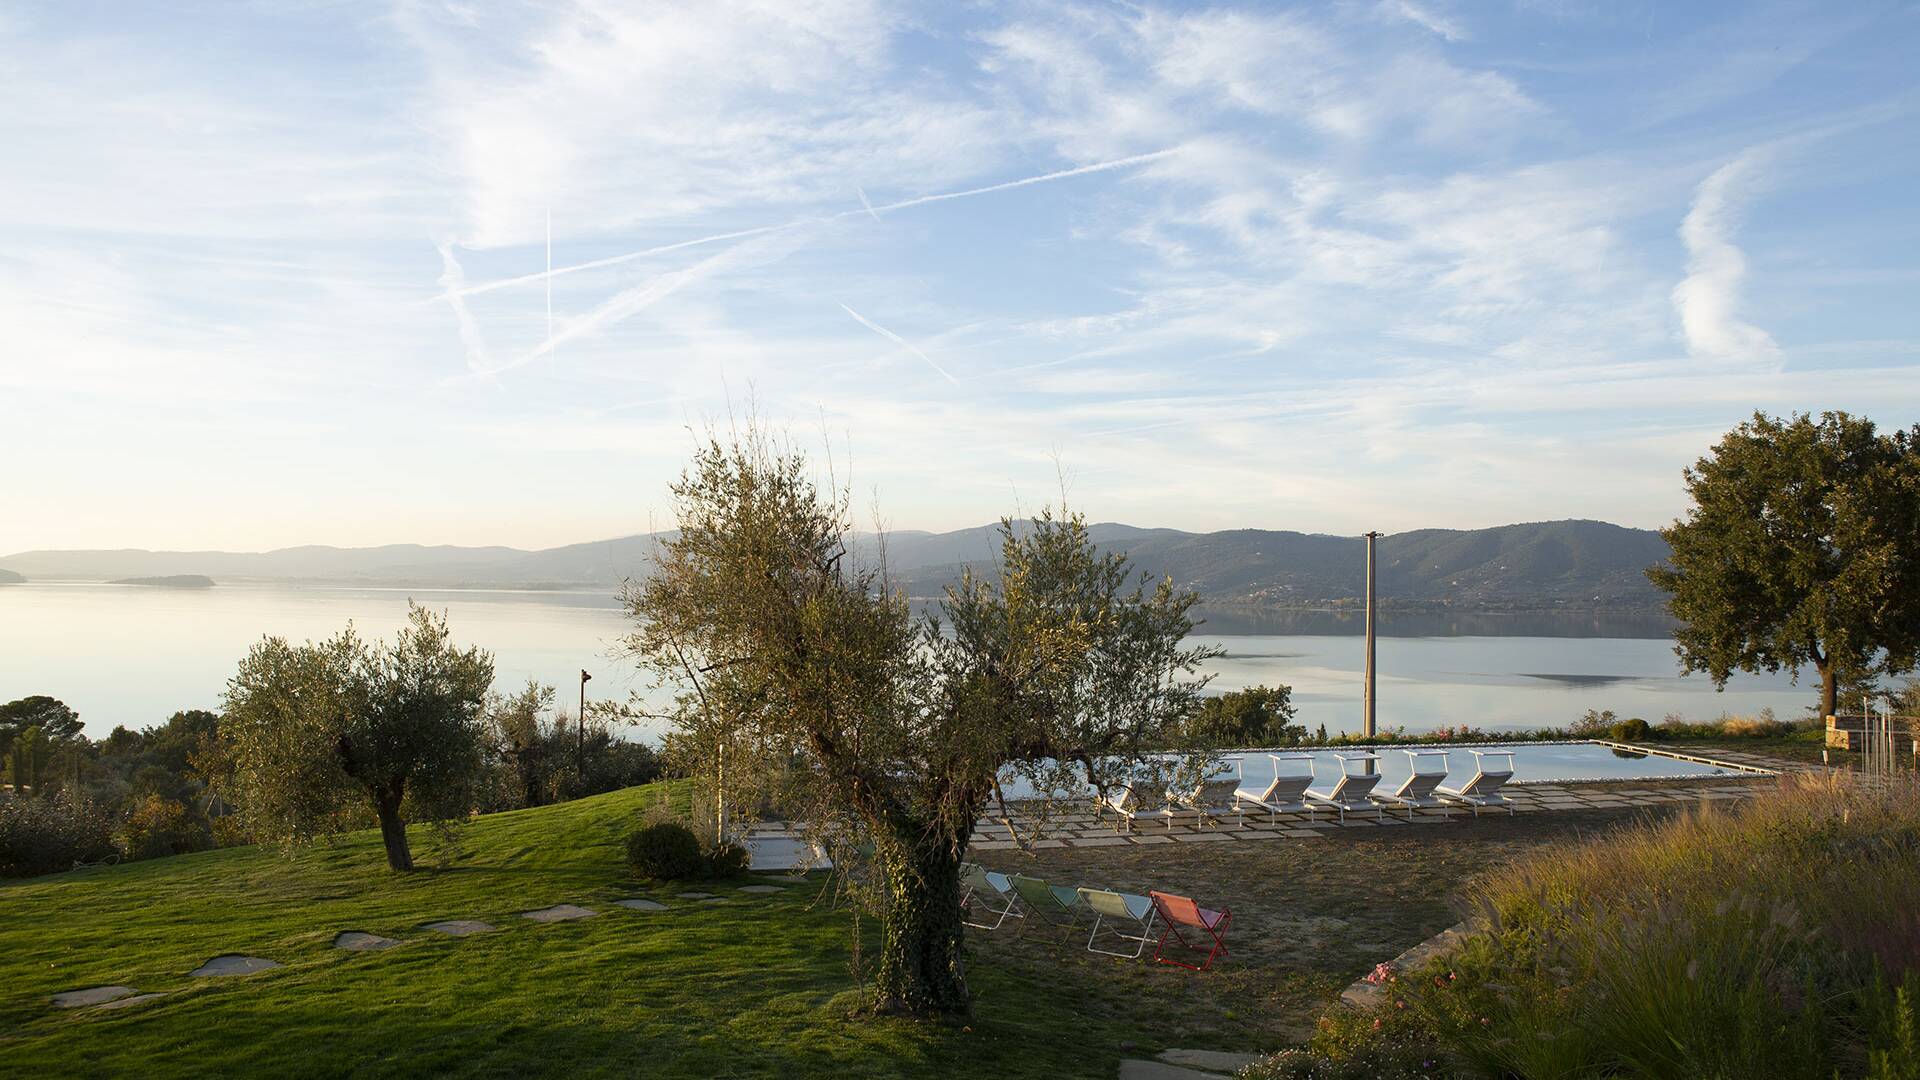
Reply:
x=1177, y=912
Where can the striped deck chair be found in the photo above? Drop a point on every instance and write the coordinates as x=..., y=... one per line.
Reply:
x=1207, y=928
x=1055, y=905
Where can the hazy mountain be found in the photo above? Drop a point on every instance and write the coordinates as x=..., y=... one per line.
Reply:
x=8, y=577
x=1584, y=564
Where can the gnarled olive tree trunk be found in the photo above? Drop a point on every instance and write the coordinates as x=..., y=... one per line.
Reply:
x=921, y=970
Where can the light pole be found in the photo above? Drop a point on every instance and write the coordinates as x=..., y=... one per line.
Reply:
x=1366, y=720
x=580, y=732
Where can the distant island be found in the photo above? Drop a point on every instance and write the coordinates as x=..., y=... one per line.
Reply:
x=1546, y=566
x=8, y=577
x=169, y=581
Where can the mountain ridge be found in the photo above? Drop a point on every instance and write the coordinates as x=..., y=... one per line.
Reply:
x=1575, y=563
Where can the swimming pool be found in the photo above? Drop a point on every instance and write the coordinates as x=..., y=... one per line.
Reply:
x=1533, y=763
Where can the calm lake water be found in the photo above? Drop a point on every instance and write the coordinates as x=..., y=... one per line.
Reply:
x=131, y=655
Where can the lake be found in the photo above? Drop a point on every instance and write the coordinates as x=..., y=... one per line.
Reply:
x=132, y=655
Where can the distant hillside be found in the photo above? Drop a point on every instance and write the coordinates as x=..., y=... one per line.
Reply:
x=8, y=577
x=1535, y=566
x=169, y=581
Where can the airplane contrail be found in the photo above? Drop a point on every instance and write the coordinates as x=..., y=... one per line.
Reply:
x=866, y=208
x=898, y=340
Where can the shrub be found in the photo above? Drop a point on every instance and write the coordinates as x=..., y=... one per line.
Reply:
x=728, y=860
x=1634, y=730
x=158, y=826
x=666, y=851
x=44, y=836
x=1753, y=941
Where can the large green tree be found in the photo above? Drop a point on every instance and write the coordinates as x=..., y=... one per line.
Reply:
x=1256, y=716
x=1802, y=549
x=804, y=679
x=310, y=731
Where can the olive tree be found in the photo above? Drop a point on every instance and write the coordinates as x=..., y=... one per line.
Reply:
x=314, y=732
x=804, y=680
x=1802, y=548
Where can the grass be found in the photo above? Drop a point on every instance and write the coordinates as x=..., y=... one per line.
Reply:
x=759, y=986
x=1767, y=938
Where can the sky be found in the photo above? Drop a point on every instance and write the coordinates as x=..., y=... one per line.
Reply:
x=349, y=273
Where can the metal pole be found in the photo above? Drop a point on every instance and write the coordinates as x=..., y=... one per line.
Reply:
x=1366, y=723
x=580, y=734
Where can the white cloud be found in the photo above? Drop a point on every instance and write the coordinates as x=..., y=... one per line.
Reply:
x=1708, y=300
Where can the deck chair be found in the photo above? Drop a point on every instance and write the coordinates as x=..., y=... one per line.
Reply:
x=988, y=896
x=1121, y=909
x=1284, y=794
x=1180, y=918
x=1189, y=800
x=1418, y=790
x=1055, y=905
x=1351, y=788
x=1483, y=787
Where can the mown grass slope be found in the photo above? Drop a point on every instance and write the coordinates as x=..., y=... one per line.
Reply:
x=757, y=986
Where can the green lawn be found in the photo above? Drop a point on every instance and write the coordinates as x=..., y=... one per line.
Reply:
x=759, y=986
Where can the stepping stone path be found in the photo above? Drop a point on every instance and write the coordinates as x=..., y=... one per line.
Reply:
x=137, y=999
x=360, y=941
x=641, y=905
x=697, y=896
x=560, y=913
x=92, y=995
x=461, y=927
x=761, y=888
x=233, y=964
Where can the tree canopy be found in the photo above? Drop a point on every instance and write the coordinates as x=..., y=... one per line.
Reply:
x=311, y=732
x=1256, y=716
x=804, y=680
x=1801, y=549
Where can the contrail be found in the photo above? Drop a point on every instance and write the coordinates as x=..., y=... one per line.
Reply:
x=862, y=192
x=866, y=208
x=898, y=340
x=451, y=275
x=549, y=272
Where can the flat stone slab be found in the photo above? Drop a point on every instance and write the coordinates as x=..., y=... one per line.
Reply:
x=233, y=964
x=128, y=1002
x=92, y=995
x=461, y=927
x=716, y=900
x=1211, y=1060
x=361, y=941
x=642, y=905
x=761, y=888
x=696, y=896
x=560, y=913
x=1140, y=1069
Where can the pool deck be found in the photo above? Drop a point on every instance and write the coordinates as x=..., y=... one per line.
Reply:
x=1088, y=830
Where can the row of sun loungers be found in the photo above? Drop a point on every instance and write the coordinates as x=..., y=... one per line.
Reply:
x=1185, y=928
x=1292, y=790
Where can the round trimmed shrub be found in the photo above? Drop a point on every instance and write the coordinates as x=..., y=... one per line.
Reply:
x=1634, y=730
x=666, y=852
x=729, y=860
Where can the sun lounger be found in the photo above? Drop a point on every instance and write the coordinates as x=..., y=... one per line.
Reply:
x=1180, y=918
x=1055, y=905
x=988, y=896
x=1123, y=909
x=1284, y=794
x=1190, y=801
x=1350, y=790
x=1429, y=772
x=1483, y=787
x=1125, y=805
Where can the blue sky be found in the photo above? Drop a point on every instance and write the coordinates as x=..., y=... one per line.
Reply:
x=275, y=273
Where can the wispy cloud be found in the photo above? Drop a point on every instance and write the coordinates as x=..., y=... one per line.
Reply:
x=1708, y=299
x=900, y=341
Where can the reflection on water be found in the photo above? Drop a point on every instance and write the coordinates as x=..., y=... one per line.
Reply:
x=131, y=655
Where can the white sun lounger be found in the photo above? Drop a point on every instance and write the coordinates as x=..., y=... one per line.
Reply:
x=1284, y=794
x=1483, y=787
x=1124, y=804
x=1189, y=801
x=1429, y=771
x=1124, y=909
x=1351, y=788
x=994, y=894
